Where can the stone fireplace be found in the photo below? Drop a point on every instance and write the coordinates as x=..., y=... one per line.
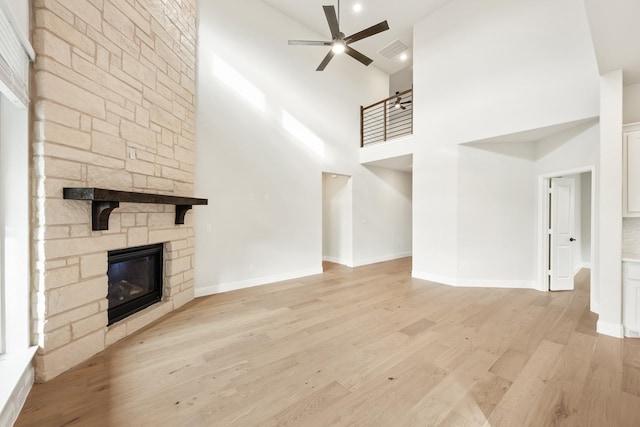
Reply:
x=113, y=100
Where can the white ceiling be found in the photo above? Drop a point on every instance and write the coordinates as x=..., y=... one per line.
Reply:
x=534, y=135
x=400, y=163
x=400, y=14
x=615, y=33
x=614, y=28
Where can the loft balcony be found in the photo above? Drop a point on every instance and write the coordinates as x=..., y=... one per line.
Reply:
x=386, y=132
x=388, y=119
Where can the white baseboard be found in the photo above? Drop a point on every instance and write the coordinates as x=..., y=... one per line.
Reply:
x=488, y=283
x=383, y=258
x=341, y=261
x=611, y=329
x=474, y=283
x=630, y=333
x=445, y=280
x=258, y=281
x=17, y=378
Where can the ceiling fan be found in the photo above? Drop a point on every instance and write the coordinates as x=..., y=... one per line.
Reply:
x=399, y=103
x=339, y=42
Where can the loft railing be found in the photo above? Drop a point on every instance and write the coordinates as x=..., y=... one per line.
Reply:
x=387, y=119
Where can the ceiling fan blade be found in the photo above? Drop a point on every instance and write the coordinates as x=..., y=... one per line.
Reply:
x=308, y=43
x=375, y=29
x=332, y=19
x=357, y=55
x=325, y=61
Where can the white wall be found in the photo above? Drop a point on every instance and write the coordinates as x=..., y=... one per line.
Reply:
x=573, y=148
x=245, y=150
x=503, y=66
x=631, y=106
x=586, y=207
x=496, y=215
x=481, y=70
x=383, y=231
x=401, y=80
x=609, y=208
x=498, y=180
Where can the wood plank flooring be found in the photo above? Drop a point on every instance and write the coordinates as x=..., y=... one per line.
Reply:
x=368, y=346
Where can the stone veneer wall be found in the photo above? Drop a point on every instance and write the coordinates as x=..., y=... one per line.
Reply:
x=111, y=77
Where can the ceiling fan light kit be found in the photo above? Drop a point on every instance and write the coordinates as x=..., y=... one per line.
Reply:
x=338, y=46
x=339, y=42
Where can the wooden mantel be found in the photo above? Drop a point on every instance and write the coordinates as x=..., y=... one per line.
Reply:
x=104, y=201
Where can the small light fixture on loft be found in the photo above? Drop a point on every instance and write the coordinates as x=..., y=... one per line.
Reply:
x=404, y=57
x=399, y=104
x=357, y=7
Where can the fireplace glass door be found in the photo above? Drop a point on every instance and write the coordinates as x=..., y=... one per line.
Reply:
x=135, y=280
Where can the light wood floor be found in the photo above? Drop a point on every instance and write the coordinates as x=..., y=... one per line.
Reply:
x=359, y=347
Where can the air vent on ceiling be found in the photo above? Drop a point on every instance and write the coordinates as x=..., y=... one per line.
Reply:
x=392, y=49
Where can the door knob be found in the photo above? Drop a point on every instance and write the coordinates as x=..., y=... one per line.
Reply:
x=572, y=239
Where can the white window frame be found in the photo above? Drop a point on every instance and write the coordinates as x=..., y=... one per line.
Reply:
x=15, y=54
x=16, y=353
x=3, y=322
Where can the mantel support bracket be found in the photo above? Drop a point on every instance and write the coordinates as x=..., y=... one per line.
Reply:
x=181, y=211
x=100, y=212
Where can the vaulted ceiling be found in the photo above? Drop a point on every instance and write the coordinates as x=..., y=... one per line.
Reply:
x=615, y=33
x=400, y=14
x=613, y=24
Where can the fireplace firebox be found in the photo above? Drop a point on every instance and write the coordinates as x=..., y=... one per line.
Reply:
x=135, y=280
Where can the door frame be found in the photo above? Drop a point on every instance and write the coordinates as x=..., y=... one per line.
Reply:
x=542, y=282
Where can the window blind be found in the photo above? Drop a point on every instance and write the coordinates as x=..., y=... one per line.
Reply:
x=15, y=54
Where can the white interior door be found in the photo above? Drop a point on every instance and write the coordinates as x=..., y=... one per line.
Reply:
x=562, y=242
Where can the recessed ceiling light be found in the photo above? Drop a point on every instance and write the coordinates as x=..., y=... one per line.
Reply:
x=357, y=7
x=404, y=57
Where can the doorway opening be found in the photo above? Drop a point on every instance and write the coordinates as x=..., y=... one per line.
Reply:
x=566, y=228
x=337, y=219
